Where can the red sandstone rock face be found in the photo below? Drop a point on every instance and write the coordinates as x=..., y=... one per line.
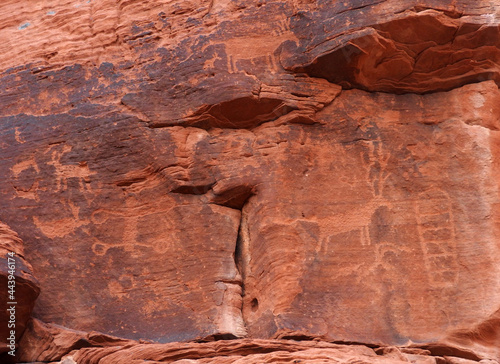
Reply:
x=19, y=290
x=215, y=170
x=419, y=51
x=381, y=252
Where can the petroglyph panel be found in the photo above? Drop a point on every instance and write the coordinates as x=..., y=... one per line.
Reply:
x=368, y=222
x=388, y=255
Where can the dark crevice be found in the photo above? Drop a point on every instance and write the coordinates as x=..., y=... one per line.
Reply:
x=355, y=343
x=235, y=197
x=298, y=337
x=193, y=190
x=254, y=304
x=446, y=350
x=303, y=118
x=217, y=337
x=299, y=94
x=239, y=113
x=238, y=258
x=240, y=250
x=305, y=336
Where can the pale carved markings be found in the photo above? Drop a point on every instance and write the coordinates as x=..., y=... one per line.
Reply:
x=30, y=192
x=64, y=172
x=129, y=222
x=62, y=226
x=18, y=137
x=359, y=218
x=436, y=230
x=260, y=47
x=20, y=167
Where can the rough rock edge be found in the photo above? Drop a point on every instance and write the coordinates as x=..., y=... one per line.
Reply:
x=337, y=57
x=56, y=344
x=26, y=288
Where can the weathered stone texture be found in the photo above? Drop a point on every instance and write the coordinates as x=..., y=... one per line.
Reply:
x=208, y=170
x=19, y=289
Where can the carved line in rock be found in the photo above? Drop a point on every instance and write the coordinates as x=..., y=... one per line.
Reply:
x=436, y=229
x=422, y=52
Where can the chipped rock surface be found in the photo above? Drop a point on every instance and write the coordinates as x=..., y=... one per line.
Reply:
x=202, y=170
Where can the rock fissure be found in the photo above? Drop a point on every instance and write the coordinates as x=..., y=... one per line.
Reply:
x=241, y=253
x=292, y=116
x=193, y=190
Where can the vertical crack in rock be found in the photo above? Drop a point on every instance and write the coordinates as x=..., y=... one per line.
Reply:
x=230, y=322
x=242, y=251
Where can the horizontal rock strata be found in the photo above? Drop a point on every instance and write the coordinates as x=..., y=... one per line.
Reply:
x=51, y=343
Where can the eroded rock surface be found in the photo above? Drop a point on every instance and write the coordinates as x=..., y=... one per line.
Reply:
x=266, y=169
x=19, y=290
x=416, y=50
x=50, y=343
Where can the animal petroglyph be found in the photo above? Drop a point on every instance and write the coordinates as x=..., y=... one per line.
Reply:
x=248, y=49
x=360, y=218
x=64, y=172
x=130, y=222
x=22, y=166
